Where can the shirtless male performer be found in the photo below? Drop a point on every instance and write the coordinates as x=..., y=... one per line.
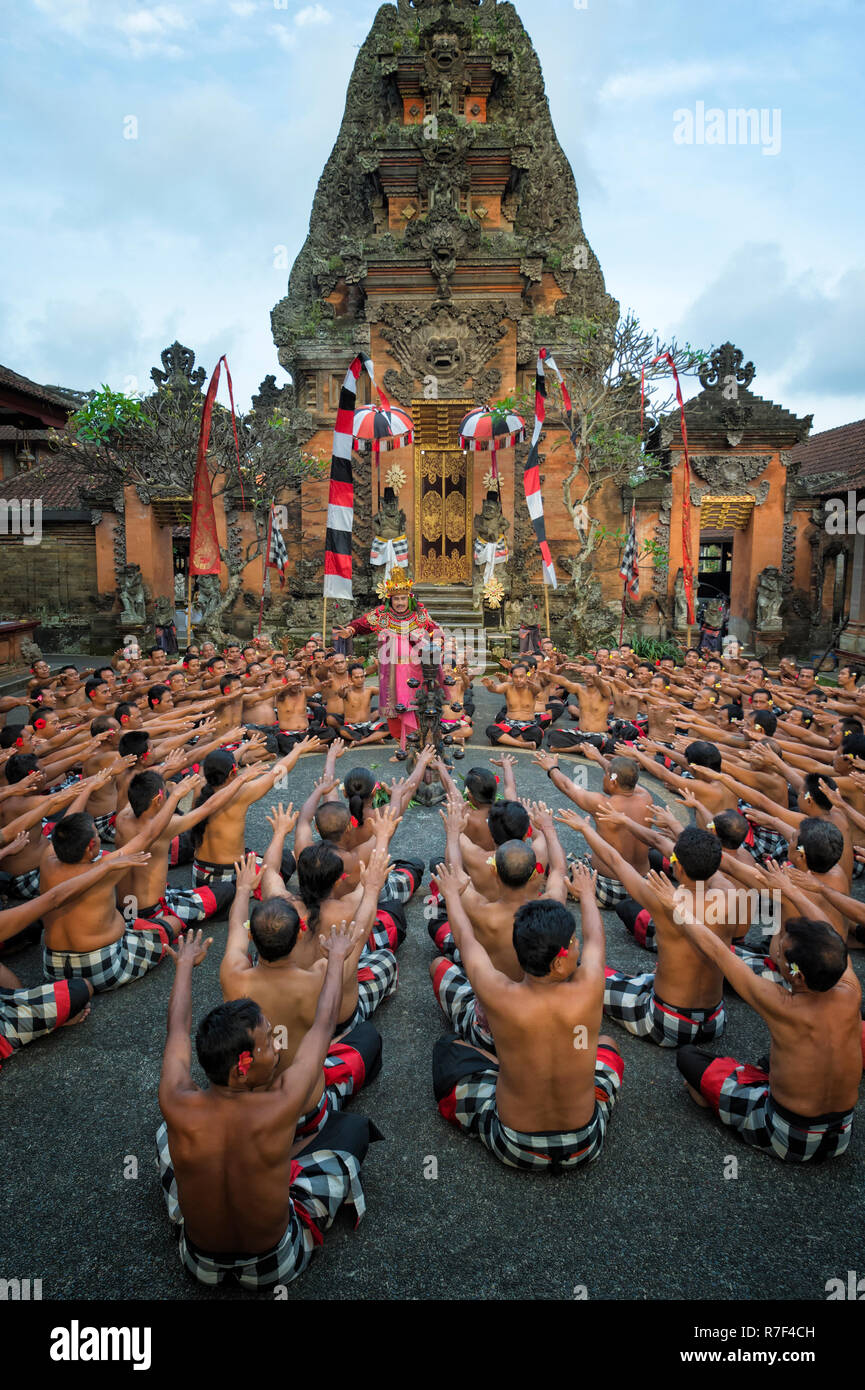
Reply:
x=545, y=1100
x=520, y=728
x=802, y=1109
x=230, y=1175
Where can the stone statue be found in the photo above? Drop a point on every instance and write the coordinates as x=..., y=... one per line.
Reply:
x=390, y=520
x=209, y=600
x=770, y=596
x=680, y=603
x=489, y=525
x=163, y=611
x=132, y=602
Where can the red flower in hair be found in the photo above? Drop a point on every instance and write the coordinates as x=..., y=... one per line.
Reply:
x=497, y=781
x=539, y=868
x=562, y=952
x=303, y=925
x=244, y=1062
x=355, y=822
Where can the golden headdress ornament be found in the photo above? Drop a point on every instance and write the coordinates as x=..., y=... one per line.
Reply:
x=399, y=583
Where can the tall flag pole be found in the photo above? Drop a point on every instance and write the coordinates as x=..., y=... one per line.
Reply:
x=340, y=506
x=532, y=473
x=687, y=561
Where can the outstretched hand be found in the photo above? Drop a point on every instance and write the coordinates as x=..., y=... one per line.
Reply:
x=189, y=948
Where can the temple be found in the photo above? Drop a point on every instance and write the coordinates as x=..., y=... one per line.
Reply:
x=446, y=243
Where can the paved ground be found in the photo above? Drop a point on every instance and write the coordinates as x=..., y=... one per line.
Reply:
x=654, y=1218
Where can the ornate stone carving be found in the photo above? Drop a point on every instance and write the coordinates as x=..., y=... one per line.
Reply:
x=724, y=367
x=770, y=596
x=759, y=493
x=132, y=600
x=680, y=602
x=440, y=340
x=730, y=473
x=390, y=519
x=178, y=362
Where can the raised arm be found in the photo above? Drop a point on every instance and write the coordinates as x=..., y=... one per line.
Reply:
x=593, y=957
x=176, y=1078
x=235, y=957
x=542, y=820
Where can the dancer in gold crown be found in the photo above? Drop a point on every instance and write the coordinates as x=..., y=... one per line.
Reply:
x=405, y=630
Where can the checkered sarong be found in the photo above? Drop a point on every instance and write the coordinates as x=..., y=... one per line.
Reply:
x=759, y=964
x=139, y=949
x=404, y=878
x=27, y=1014
x=191, y=904
x=25, y=886
x=322, y=1181
x=105, y=826
x=631, y=1001
x=371, y=726
x=388, y=930
x=459, y=1004
x=470, y=1103
x=740, y=1096
x=347, y=1066
x=442, y=936
x=609, y=892
x=763, y=843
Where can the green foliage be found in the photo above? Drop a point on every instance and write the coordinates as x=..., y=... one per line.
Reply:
x=336, y=263
x=107, y=415
x=653, y=649
x=397, y=45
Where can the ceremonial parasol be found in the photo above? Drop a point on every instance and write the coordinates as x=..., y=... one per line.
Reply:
x=490, y=429
x=381, y=427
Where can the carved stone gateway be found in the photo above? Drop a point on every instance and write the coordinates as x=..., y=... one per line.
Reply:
x=467, y=251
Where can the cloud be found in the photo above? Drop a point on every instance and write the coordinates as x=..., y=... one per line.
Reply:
x=802, y=334
x=284, y=37
x=313, y=14
x=670, y=79
x=243, y=8
x=148, y=31
x=70, y=16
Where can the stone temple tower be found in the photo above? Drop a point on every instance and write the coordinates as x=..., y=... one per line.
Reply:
x=446, y=242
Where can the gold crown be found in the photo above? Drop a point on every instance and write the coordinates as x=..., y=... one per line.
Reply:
x=399, y=583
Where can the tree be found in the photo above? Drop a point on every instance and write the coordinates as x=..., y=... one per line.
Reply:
x=605, y=434
x=151, y=443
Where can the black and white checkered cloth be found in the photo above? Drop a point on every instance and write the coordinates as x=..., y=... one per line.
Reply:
x=322, y=1181
x=28, y=1014
x=460, y=1006
x=138, y=950
x=404, y=879
x=25, y=886
x=631, y=1001
x=470, y=1104
x=744, y=1102
x=191, y=904
x=388, y=930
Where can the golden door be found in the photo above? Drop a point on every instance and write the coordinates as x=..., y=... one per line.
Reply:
x=443, y=495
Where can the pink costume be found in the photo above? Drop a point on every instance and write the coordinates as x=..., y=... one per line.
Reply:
x=400, y=645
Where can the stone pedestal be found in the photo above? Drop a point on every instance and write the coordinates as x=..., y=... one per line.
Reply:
x=766, y=644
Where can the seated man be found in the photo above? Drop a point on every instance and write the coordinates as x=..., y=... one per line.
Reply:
x=355, y=721
x=682, y=999
x=287, y=980
x=30, y=1013
x=249, y=1206
x=621, y=792
x=492, y=919
x=545, y=1101
x=333, y=823
x=90, y=938
x=802, y=1109
x=519, y=728
x=594, y=695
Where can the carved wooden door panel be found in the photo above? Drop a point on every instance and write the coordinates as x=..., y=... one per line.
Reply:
x=442, y=517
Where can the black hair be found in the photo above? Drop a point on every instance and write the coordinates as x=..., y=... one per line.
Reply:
x=704, y=754
x=331, y=819
x=521, y=663
x=151, y=650
x=766, y=720
x=226, y=683
x=807, y=716
x=627, y=772
x=319, y=867
x=155, y=694
x=89, y=688
x=19, y=766
x=69, y=667
x=101, y=724
x=731, y=829
x=818, y=950
x=217, y=768
x=515, y=863
x=122, y=711
x=359, y=786
x=97, y=670
x=10, y=734
x=508, y=820
x=273, y=926
x=647, y=664
x=226, y=1032
x=143, y=788
x=355, y=666
x=71, y=836
x=481, y=785
x=733, y=711
x=136, y=741
x=541, y=930
x=849, y=726
x=699, y=852
x=812, y=782
x=213, y=660
x=767, y=693
x=854, y=744
x=821, y=842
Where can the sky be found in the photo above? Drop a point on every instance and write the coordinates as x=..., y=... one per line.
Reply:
x=160, y=161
